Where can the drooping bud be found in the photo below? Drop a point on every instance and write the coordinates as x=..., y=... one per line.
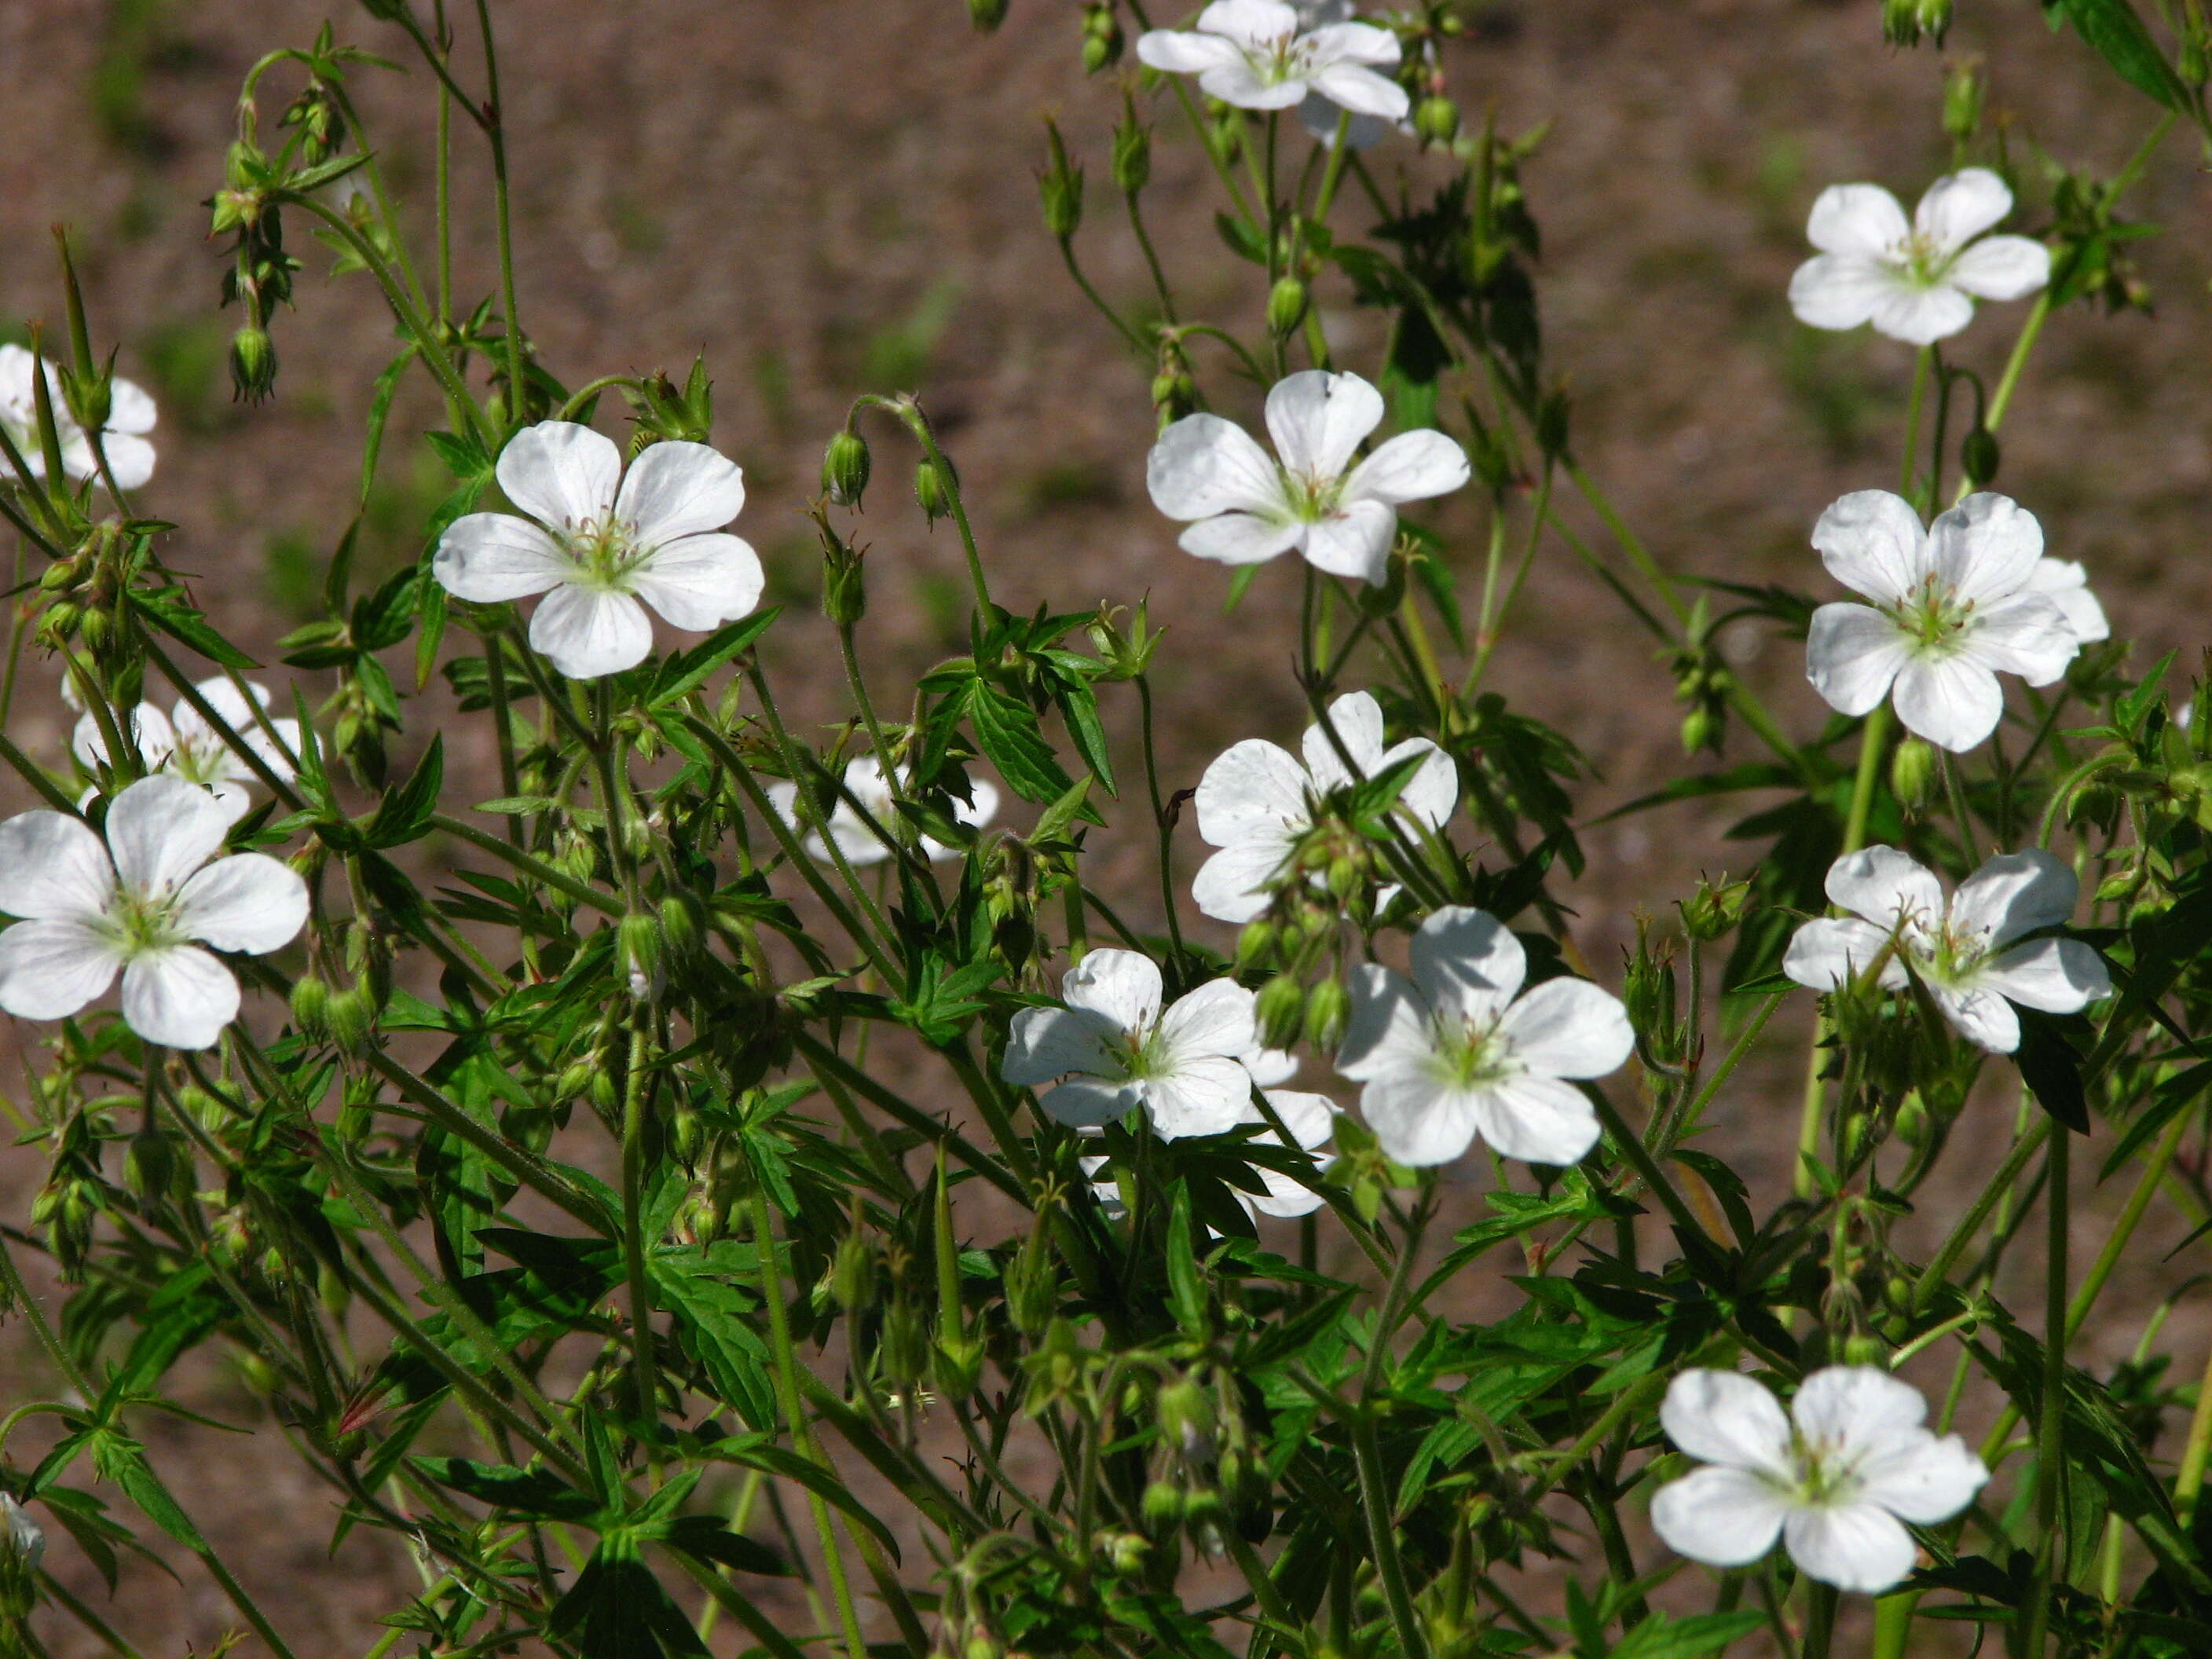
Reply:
x=311, y=1006
x=1162, y=1507
x=845, y=468
x=1962, y=101
x=1280, y=1010
x=853, y=1273
x=930, y=489
x=1101, y=38
x=1980, y=456
x=638, y=946
x=252, y=364
x=1132, y=149
x=1435, y=119
x=680, y=924
x=149, y=1166
x=21, y=1545
x=1912, y=767
x=1328, y=1012
x=986, y=15
x=1186, y=1418
x=352, y=1012
x=1059, y=187
x=1257, y=944
x=1286, y=305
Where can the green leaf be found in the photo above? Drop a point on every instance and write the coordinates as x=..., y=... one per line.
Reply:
x=538, y=1493
x=405, y=812
x=168, y=610
x=2116, y=32
x=2051, y=1070
x=712, y=1318
x=685, y=672
x=1006, y=732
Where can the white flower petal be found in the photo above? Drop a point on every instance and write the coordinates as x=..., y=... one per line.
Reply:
x=2013, y=894
x=1416, y=1120
x=1269, y=1066
x=1465, y=960
x=1215, y=1020
x=2066, y=585
x=1861, y=219
x=1412, y=467
x=2001, y=268
x=1726, y=1417
x=585, y=633
x=1852, y=656
x=1826, y=953
x=1888, y=888
x=676, y=490
x=1203, y=464
x=1044, y=1043
x=560, y=473
x=1356, y=719
x=1538, y=1119
x=1568, y=1028
x=1342, y=41
x=181, y=997
x=52, y=868
x=1354, y=542
x=49, y=969
x=1249, y=23
x=1122, y=986
x=1320, y=117
x=1090, y=1104
x=1859, y=1408
x=1318, y=420
x=249, y=902
x=1237, y=82
x=1721, y=1517
x=130, y=410
x=1388, y=1028
x=1205, y=1096
x=1872, y=542
x=1922, y=316
x=487, y=557
x=2027, y=635
x=1311, y=1119
x=1180, y=52
x=160, y=830
x=1986, y=547
x=1860, y=1547
x=1961, y=206
x=235, y=799
x=2056, y=975
x=1983, y=1016
x=1840, y=290
x=1924, y=1479
x=1952, y=701
x=130, y=458
x=700, y=582
x=1231, y=886
x=1253, y=787
x=1432, y=791
x=1241, y=539
x=1361, y=90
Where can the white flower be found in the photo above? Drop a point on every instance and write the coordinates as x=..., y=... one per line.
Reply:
x=2066, y=585
x=1310, y=1118
x=1319, y=115
x=1118, y=1051
x=1261, y=54
x=1958, y=950
x=1453, y=1054
x=1248, y=507
x=1955, y=605
x=1835, y=1480
x=185, y=745
x=25, y=1534
x=138, y=904
x=597, y=550
x=1257, y=799
x=1913, y=281
x=131, y=416
x=864, y=778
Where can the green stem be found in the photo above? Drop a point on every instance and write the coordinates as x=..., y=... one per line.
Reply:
x=2024, y=1148
x=495, y=133
x=2050, y=1450
x=632, y=1194
x=1165, y=830
x=1922, y=365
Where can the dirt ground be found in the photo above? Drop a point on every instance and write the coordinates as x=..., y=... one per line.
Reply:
x=834, y=197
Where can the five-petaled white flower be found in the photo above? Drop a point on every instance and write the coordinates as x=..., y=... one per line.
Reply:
x=604, y=540
x=25, y=1536
x=1456, y=1052
x=1835, y=1480
x=2066, y=585
x=1322, y=117
x=1918, y=281
x=1962, y=951
x=145, y=902
x=1118, y=1050
x=1243, y=507
x=1955, y=605
x=131, y=417
x=861, y=845
x=1310, y=1118
x=1257, y=800
x=1262, y=54
x=185, y=745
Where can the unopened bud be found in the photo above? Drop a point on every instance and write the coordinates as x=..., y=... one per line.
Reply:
x=1329, y=1011
x=1980, y=456
x=986, y=15
x=1256, y=942
x=149, y=1166
x=311, y=1006
x=1186, y=1418
x=1700, y=730
x=930, y=489
x=1286, y=305
x=1435, y=120
x=1962, y=101
x=1132, y=150
x=1101, y=38
x=853, y=1273
x=1713, y=911
x=638, y=942
x=1912, y=768
x=845, y=468
x=1060, y=188
x=1280, y=1010
x=1866, y=1350
x=352, y=1012
x=1161, y=1508
x=252, y=364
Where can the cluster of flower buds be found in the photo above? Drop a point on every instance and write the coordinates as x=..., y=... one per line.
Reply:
x=260, y=275
x=1903, y=21
x=1648, y=989
x=1704, y=683
x=660, y=410
x=1102, y=37
x=83, y=594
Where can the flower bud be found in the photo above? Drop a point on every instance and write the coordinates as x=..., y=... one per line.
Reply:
x=1701, y=729
x=1329, y=1011
x=352, y=1012
x=1126, y=1550
x=986, y=15
x=638, y=944
x=1060, y=188
x=1980, y=456
x=1101, y=38
x=904, y=1345
x=1162, y=1507
x=853, y=1273
x=1286, y=305
x=1435, y=119
x=680, y=924
x=956, y=1366
x=311, y=1006
x=1132, y=150
x=1186, y=1418
x=1280, y=1010
x=149, y=1165
x=1713, y=911
x=252, y=364
x=1866, y=1350
x=930, y=489
x=845, y=468
x=1912, y=767
x=1962, y=101
x=1257, y=944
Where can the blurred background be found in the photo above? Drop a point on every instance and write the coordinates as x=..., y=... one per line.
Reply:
x=830, y=196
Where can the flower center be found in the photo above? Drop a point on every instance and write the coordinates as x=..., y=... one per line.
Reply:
x=1276, y=61
x=1142, y=1053
x=604, y=552
x=1312, y=498
x=1921, y=259
x=1827, y=1474
x=1933, y=615
x=143, y=924
x=199, y=759
x=1470, y=1054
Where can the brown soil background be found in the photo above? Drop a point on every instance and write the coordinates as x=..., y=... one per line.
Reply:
x=834, y=197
